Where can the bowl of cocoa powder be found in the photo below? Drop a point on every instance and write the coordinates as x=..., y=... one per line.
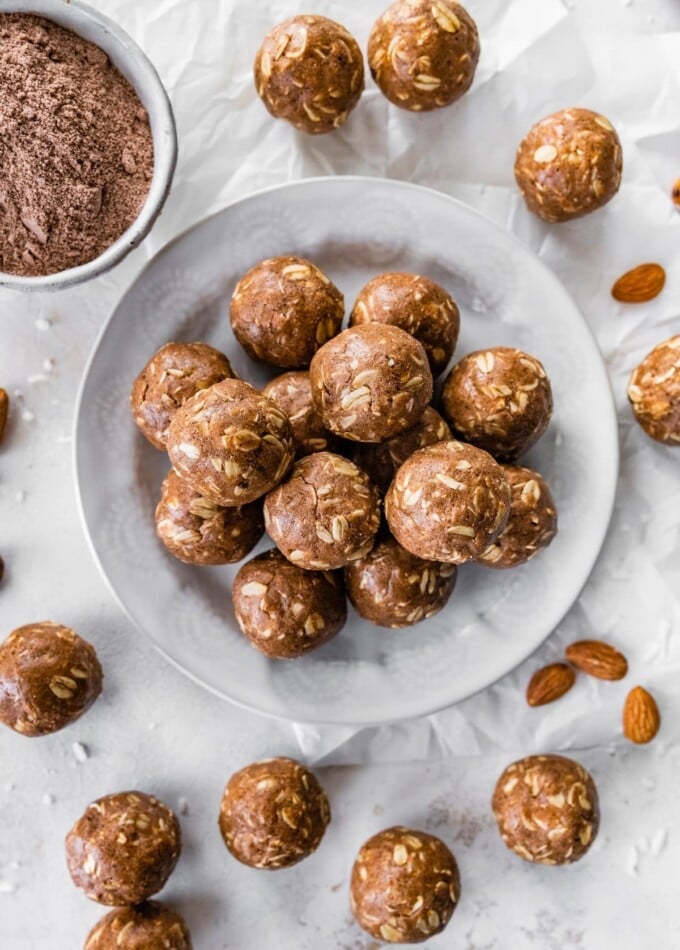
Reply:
x=88, y=144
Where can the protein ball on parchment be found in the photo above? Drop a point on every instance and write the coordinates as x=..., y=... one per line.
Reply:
x=498, y=399
x=147, y=926
x=532, y=524
x=49, y=676
x=230, y=443
x=654, y=392
x=415, y=304
x=324, y=515
x=284, y=309
x=285, y=611
x=448, y=502
x=197, y=531
x=569, y=164
x=393, y=588
x=405, y=886
x=310, y=72
x=380, y=460
x=371, y=382
x=423, y=53
x=174, y=374
x=292, y=393
x=273, y=814
x=547, y=809
x=123, y=848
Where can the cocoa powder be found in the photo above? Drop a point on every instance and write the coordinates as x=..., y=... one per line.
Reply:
x=76, y=152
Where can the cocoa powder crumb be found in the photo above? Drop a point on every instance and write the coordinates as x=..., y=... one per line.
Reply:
x=76, y=152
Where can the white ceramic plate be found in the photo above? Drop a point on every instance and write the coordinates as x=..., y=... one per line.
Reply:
x=354, y=228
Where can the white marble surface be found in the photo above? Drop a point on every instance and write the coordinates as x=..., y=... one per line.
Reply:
x=155, y=730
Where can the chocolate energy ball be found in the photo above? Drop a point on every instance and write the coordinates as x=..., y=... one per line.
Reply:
x=380, y=460
x=371, y=382
x=148, y=926
x=448, y=502
x=498, y=399
x=49, y=676
x=273, y=814
x=310, y=72
x=415, y=304
x=405, y=886
x=393, y=588
x=230, y=443
x=284, y=309
x=324, y=515
x=176, y=372
x=547, y=809
x=532, y=523
x=423, y=54
x=123, y=848
x=292, y=393
x=285, y=611
x=569, y=164
x=654, y=392
x=197, y=531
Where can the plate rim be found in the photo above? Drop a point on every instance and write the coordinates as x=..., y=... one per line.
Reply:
x=613, y=450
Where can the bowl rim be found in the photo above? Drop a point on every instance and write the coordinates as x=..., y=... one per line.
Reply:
x=71, y=15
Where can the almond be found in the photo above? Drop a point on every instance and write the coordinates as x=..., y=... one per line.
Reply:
x=675, y=193
x=597, y=659
x=642, y=283
x=549, y=683
x=4, y=410
x=641, y=719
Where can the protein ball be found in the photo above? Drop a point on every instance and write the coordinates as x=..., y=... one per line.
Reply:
x=284, y=309
x=654, y=392
x=292, y=393
x=448, y=502
x=285, y=611
x=197, y=531
x=49, y=676
x=532, y=524
x=393, y=588
x=415, y=304
x=498, y=399
x=230, y=443
x=324, y=515
x=569, y=164
x=273, y=814
x=176, y=372
x=123, y=848
x=423, y=54
x=547, y=809
x=380, y=460
x=148, y=926
x=371, y=382
x=405, y=886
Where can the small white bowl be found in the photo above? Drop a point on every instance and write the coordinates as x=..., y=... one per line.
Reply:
x=142, y=76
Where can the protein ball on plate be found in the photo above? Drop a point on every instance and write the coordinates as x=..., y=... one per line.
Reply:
x=654, y=392
x=448, y=502
x=292, y=393
x=415, y=304
x=147, y=926
x=285, y=611
x=310, y=72
x=230, y=443
x=49, y=676
x=498, y=399
x=371, y=382
x=569, y=164
x=273, y=814
x=174, y=374
x=283, y=310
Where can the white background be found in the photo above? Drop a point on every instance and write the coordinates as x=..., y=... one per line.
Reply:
x=154, y=730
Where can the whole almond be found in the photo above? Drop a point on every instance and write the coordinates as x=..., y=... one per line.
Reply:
x=675, y=193
x=549, y=683
x=642, y=283
x=641, y=719
x=4, y=410
x=597, y=659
